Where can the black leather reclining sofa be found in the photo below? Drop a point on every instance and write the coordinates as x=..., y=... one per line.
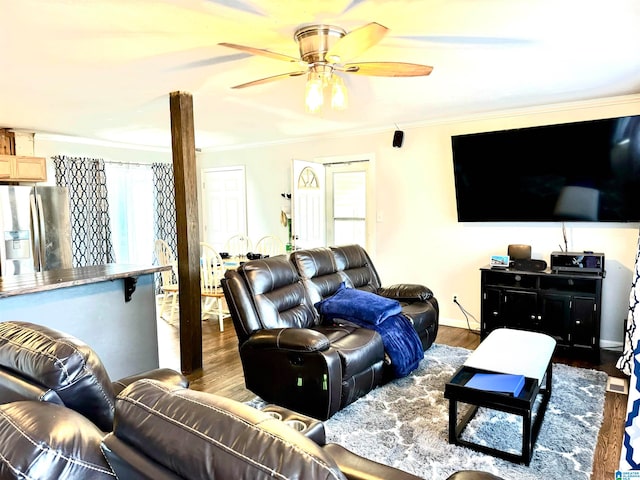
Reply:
x=167, y=432
x=57, y=405
x=289, y=355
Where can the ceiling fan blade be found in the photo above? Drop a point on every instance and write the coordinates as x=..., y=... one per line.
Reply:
x=388, y=69
x=261, y=52
x=356, y=42
x=270, y=79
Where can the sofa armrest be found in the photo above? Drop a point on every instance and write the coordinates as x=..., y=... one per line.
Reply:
x=165, y=375
x=355, y=467
x=408, y=292
x=293, y=339
x=14, y=387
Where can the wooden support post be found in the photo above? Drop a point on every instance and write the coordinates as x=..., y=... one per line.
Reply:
x=184, y=170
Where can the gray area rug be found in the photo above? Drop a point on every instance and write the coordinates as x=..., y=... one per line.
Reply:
x=405, y=424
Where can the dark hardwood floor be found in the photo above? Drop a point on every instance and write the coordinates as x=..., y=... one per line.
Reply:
x=222, y=374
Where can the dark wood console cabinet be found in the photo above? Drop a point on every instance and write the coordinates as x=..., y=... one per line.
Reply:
x=565, y=305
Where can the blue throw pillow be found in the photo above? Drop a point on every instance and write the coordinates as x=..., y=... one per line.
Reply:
x=352, y=304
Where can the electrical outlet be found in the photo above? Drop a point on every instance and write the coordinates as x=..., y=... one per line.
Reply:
x=455, y=298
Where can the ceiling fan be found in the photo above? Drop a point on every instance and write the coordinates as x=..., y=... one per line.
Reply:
x=323, y=52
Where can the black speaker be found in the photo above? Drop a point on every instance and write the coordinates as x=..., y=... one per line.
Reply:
x=519, y=252
x=529, y=265
x=398, y=136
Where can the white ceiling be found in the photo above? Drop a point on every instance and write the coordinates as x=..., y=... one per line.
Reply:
x=103, y=69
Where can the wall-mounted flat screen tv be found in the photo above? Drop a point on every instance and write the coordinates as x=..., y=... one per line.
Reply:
x=581, y=171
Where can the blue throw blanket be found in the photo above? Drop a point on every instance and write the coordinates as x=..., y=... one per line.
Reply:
x=368, y=310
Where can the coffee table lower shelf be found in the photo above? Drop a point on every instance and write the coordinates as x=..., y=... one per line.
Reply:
x=457, y=392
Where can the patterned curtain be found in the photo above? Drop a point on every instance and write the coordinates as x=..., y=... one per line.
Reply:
x=629, y=363
x=90, y=225
x=631, y=333
x=164, y=225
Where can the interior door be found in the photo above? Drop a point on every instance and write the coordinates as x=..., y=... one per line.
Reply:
x=224, y=204
x=308, y=212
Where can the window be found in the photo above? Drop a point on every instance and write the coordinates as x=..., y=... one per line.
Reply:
x=348, y=205
x=130, y=196
x=349, y=208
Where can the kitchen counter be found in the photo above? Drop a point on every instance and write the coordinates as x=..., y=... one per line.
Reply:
x=112, y=308
x=69, y=277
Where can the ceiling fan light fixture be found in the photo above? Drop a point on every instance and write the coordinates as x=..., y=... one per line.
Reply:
x=339, y=99
x=323, y=48
x=314, y=92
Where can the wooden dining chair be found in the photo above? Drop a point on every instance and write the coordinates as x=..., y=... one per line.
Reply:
x=238, y=245
x=169, y=278
x=211, y=272
x=270, y=245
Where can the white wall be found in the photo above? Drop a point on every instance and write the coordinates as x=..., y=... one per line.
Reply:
x=418, y=238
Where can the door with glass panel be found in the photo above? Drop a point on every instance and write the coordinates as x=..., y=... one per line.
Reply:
x=308, y=226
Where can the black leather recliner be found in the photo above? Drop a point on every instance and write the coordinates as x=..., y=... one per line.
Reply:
x=44, y=364
x=289, y=357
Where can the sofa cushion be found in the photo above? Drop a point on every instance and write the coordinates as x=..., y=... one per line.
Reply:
x=43, y=440
x=279, y=296
x=219, y=437
x=357, y=267
x=62, y=363
x=320, y=271
x=358, y=348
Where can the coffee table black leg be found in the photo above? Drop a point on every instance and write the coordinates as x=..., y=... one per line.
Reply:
x=527, y=441
x=453, y=420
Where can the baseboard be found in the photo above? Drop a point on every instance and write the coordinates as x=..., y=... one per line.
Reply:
x=611, y=345
x=459, y=323
x=462, y=323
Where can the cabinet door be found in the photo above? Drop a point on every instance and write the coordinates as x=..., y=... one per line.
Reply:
x=30, y=168
x=5, y=167
x=556, y=317
x=491, y=319
x=17, y=168
x=520, y=309
x=583, y=318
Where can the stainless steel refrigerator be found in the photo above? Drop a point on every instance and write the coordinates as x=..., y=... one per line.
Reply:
x=35, y=229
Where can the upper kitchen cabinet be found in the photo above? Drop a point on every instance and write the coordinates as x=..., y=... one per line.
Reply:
x=18, y=168
x=17, y=163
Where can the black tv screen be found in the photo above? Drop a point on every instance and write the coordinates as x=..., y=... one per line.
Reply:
x=581, y=171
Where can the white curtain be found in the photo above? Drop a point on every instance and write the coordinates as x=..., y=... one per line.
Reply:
x=131, y=210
